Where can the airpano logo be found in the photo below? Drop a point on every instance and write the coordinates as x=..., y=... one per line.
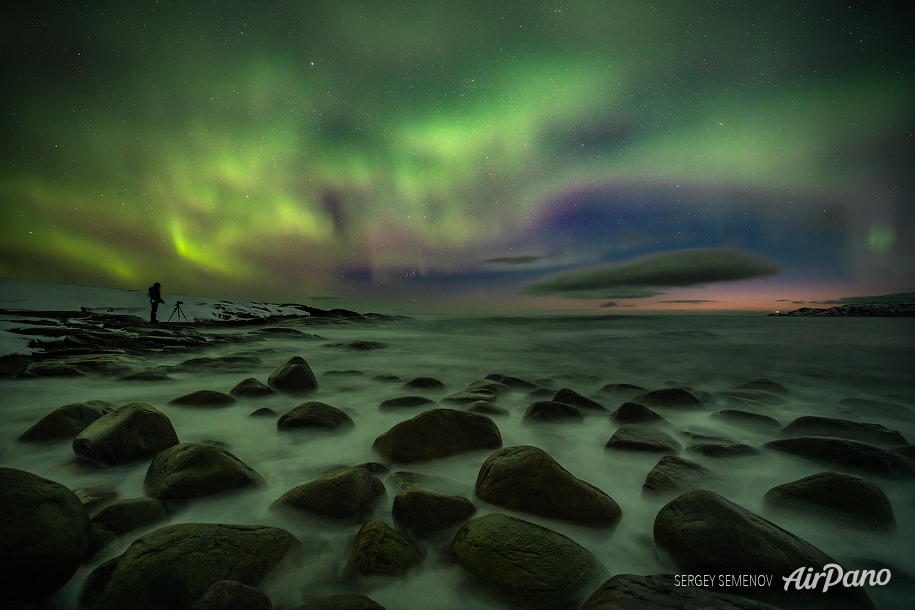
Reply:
x=833, y=575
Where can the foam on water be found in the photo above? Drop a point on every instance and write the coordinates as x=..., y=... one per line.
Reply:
x=820, y=361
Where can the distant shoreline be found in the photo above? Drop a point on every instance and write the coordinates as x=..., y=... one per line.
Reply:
x=856, y=310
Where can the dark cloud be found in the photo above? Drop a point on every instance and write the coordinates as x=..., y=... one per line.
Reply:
x=640, y=278
x=609, y=304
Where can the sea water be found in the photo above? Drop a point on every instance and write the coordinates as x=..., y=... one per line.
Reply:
x=820, y=361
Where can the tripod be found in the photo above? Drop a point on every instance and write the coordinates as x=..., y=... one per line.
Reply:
x=177, y=310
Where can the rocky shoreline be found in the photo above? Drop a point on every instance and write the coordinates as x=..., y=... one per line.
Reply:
x=856, y=310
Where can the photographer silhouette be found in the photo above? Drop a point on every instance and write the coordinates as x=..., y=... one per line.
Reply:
x=155, y=297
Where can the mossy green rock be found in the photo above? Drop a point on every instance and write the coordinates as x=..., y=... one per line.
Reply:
x=64, y=423
x=381, y=551
x=128, y=434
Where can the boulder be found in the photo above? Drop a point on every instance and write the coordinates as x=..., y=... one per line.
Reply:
x=436, y=434
x=675, y=398
x=836, y=495
x=842, y=454
x=95, y=497
x=811, y=425
x=489, y=385
x=514, y=383
x=174, y=566
x=484, y=407
x=528, y=479
x=639, y=437
x=675, y=475
x=552, y=411
x=723, y=450
x=128, y=516
x=468, y=396
x=345, y=601
x=251, y=388
x=45, y=534
x=424, y=383
x=756, y=398
x=350, y=494
x=571, y=397
x=620, y=391
x=315, y=415
x=746, y=419
x=232, y=595
x=663, y=592
x=192, y=470
x=130, y=433
x=406, y=402
x=701, y=532
x=766, y=385
x=634, y=413
x=425, y=513
x=293, y=377
x=526, y=562
x=204, y=398
x=380, y=551
x=64, y=423
x=541, y=394
x=264, y=412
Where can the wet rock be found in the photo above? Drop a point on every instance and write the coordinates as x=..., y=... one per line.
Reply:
x=541, y=394
x=380, y=551
x=676, y=398
x=315, y=415
x=468, y=397
x=51, y=368
x=45, y=534
x=174, y=566
x=425, y=513
x=64, y=423
x=552, y=411
x=264, y=412
x=843, y=454
x=839, y=495
x=231, y=595
x=204, y=398
x=484, y=407
x=350, y=494
x=746, y=419
x=663, y=592
x=525, y=562
x=345, y=601
x=701, y=532
x=639, y=437
x=751, y=397
x=811, y=425
x=528, y=479
x=489, y=385
x=424, y=383
x=386, y=378
x=436, y=434
x=621, y=391
x=130, y=433
x=94, y=497
x=293, y=377
x=676, y=475
x=723, y=450
x=251, y=388
x=192, y=470
x=406, y=402
x=634, y=413
x=514, y=383
x=128, y=516
x=571, y=397
x=221, y=364
x=766, y=385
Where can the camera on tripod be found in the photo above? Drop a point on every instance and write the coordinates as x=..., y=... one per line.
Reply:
x=177, y=310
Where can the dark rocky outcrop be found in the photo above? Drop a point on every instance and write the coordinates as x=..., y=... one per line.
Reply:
x=663, y=592
x=528, y=479
x=64, y=423
x=380, y=551
x=571, y=397
x=44, y=535
x=232, y=595
x=838, y=495
x=251, y=388
x=676, y=475
x=552, y=411
x=425, y=513
x=204, y=398
x=634, y=413
x=127, y=434
x=344, y=601
x=811, y=425
x=436, y=434
x=350, y=494
x=174, y=566
x=315, y=415
x=701, y=532
x=407, y=402
x=639, y=437
x=128, y=516
x=526, y=562
x=293, y=377
x=675, y=398
x=191, y=470
x=843, y=454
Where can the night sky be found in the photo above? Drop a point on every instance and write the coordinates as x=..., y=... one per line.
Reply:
x=616, y=156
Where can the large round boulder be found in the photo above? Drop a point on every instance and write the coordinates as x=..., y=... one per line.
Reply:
x=436, y=434
x=571, y=397
x=701, y=532
x=191, y=470
x=552, y=411
x=676, y=475
x=380, y=551
x=676, y=398
x=843, y=454
x=664, y=592
x=350, y=494
x=44, y=535
x=206, y=399
x=425, y=513
x=836, y=495
x=172, y=567
x=529, y=480
x=293, y=377
x=526, y=562
x=634, y=413
x=812, y=425
x=315, y=415
x=640, y=437
x=130, y=433
x=251, y=388
x=64, y=423
x=232, y=595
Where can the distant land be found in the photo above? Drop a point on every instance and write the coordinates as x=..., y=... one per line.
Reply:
x=857, y=310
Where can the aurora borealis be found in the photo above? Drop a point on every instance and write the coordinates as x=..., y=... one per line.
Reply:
x=450, y=155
